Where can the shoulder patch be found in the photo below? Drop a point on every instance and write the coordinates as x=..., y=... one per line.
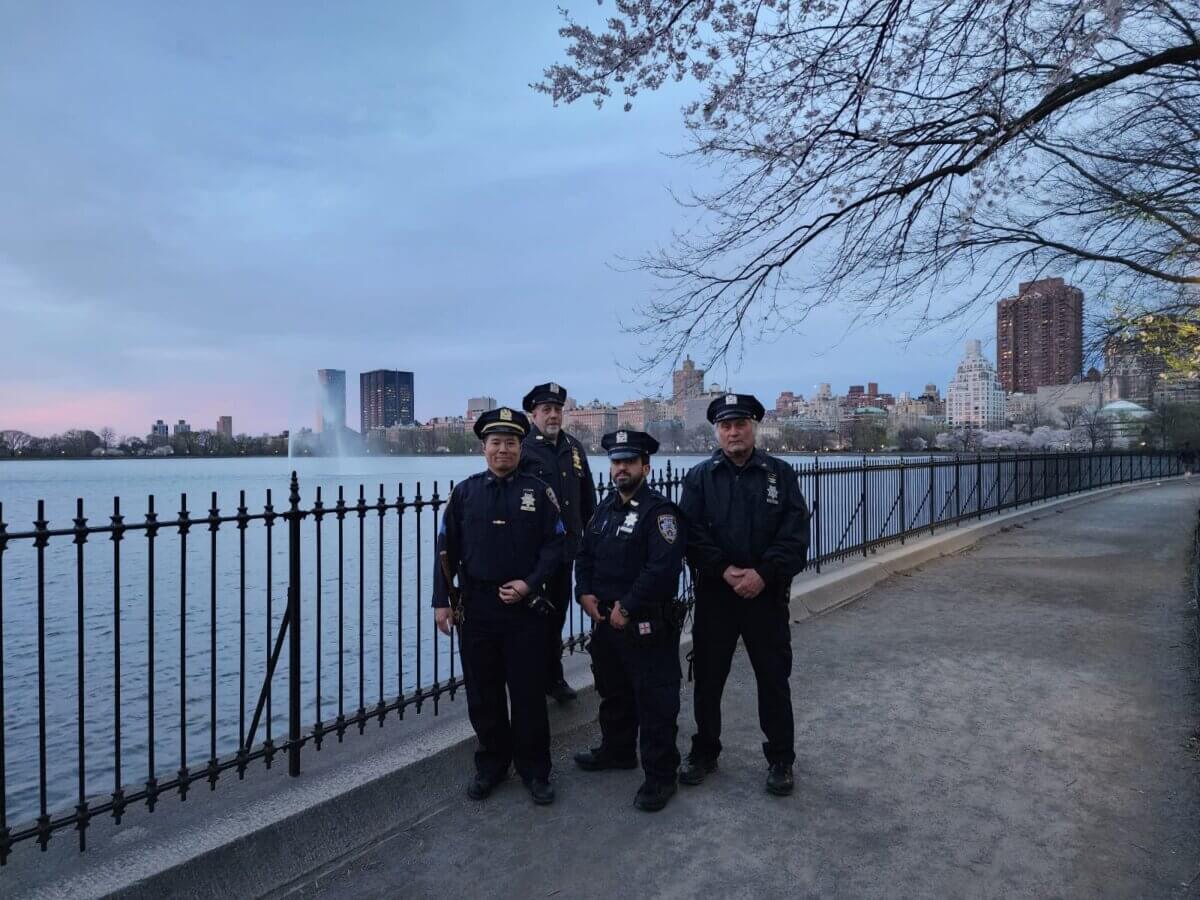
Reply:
x=668, y=527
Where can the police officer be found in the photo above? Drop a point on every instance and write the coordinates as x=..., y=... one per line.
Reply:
x=559, y=460
x=501, y=541
x=747, y=539
x=627, y=580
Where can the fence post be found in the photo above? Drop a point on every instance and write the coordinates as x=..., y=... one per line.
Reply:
x=863, y=508
x=816, y=513
x=293, y=610
x=932, y=482
x=903, y=516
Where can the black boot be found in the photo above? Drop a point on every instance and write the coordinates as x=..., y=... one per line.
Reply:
x=653, y=796
x=482, y=785
x=540, y=790
x=598, y=758
x=561, y=691
x=696, y=769
x=779, y=779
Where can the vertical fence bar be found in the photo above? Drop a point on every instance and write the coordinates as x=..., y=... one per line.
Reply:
x=816, y=515
x=81, y=807
x=340, y=511
x=932, y=494
x=863, y=507
x=118, y=531
x=293, y=611
x=184, y=525
x=400, y=596
x=381, y=707
x=319, y=724
x=242, y=521
x=269, y=524
x=213, y=524
x=40, y=541
x=417, y=507
x=903, y=512
x=361, y=509
x=151, y=534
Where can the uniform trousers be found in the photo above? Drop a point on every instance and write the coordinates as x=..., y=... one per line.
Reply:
x=720, y=618
x=638, y=681
x=506, y=691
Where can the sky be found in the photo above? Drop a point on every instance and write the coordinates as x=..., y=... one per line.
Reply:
x=202, y=204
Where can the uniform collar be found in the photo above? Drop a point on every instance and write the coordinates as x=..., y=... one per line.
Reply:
x=757, y=458
x=537, y=437
x=492, y=478
x=636, y=500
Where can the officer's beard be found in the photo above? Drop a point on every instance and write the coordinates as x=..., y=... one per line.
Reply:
x=631, y=485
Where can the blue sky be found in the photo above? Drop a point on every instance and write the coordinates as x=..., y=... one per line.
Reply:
x=204, y=203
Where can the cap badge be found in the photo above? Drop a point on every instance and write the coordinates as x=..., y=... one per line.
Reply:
x=622, y=437
x=505, y=414
x=731, y=399
x=553, y=388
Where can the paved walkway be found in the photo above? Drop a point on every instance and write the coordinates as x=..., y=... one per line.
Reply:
x=1015, y=721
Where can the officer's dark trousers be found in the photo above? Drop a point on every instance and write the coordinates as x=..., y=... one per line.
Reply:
x=562, y=595
x=721, y=616
x=502, y=663
x=638, y=682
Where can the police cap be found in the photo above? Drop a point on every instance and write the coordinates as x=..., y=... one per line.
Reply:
x=544, y=393
x=501, y=421
x=735, y=406
x=628, y=444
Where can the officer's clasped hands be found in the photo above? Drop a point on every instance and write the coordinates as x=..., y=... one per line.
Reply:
x=513, y=591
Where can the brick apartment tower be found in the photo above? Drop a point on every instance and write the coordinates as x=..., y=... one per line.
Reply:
x=1039, y=336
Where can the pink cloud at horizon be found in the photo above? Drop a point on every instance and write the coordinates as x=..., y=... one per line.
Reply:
x=41, y=410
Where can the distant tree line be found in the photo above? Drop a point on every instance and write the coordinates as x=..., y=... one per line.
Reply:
x=84, y=443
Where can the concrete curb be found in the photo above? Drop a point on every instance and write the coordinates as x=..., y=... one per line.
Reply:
x=268, y=846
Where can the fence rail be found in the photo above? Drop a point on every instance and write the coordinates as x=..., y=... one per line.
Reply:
x=118, y=684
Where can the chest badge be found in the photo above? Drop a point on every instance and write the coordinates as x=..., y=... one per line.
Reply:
x=528, y=504
x=575, y=459
x=772, y=488
x=627, y=525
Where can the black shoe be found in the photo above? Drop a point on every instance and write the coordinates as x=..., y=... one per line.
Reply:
x=779, y=779
x=598, y=758
x=561, y=691
x=540, y=790
x=653, y=796
x=481, y=786
x=696, y=769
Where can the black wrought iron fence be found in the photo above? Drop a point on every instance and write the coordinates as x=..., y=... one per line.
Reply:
x=131, y=673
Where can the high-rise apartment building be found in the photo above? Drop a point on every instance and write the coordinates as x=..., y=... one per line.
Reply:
x=225, y=427
x=331, y=400
x=477, y=406
x=687, y=381
x=181, y=427
x=975, y=398
x=1039, y=335
x=385, y=398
